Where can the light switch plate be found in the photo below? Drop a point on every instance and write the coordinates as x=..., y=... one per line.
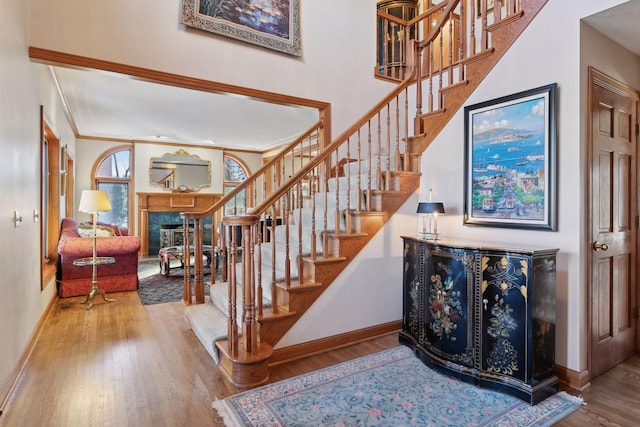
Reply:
x=18, y=219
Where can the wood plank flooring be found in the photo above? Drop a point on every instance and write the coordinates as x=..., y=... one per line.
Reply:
x=124, y=364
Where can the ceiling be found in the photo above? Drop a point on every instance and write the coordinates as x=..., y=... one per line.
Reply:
x=620, y=24
x=117, y=107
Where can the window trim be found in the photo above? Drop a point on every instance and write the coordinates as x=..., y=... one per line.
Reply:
x=249, y=196
x=50, y=216
x=95, y=179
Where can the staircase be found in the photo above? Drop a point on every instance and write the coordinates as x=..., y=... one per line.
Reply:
x=332, y=197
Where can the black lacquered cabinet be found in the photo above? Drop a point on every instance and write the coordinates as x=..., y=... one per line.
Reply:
x=483, y=314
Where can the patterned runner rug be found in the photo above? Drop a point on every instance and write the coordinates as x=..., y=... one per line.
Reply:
x=390, y=388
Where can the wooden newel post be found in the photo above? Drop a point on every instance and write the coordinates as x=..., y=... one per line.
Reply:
x=247, y=224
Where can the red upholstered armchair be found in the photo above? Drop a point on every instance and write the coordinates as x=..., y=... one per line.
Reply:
x=120, y=276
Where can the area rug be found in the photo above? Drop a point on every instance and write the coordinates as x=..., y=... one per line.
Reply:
x=390, y=388
x=155, y=288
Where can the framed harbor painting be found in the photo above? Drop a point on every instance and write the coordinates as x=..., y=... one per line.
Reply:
x=510, y=161
x=274, y=24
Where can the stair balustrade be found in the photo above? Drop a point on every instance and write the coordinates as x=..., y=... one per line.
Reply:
x=309, y=210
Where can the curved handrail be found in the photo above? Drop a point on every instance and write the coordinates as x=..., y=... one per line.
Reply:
x=437, y=27
x=330, y=149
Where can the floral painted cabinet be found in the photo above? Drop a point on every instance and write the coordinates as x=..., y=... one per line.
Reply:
x=482, y=314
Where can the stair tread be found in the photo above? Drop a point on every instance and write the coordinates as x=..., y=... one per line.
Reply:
x=297, y=288
x=366, y=213
x=478, y=56
x=325, y=260
x=348, y=236
x=270, y=316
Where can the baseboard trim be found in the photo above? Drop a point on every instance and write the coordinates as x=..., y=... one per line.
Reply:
x=573, y=380
x=12, y=378
x=310, y=348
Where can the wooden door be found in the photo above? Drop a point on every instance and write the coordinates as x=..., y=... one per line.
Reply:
x=613, y=222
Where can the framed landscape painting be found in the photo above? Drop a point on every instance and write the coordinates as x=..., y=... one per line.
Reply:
x=274, y=24
x=510, y=161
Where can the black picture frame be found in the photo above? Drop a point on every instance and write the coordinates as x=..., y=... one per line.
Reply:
x=510, y=161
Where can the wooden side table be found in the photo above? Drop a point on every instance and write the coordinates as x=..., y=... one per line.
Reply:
x=178, y=252
x=94, y=262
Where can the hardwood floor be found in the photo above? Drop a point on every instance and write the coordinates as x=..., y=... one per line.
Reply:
x=124, y=364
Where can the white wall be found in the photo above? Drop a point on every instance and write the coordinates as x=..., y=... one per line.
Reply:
x=22, y=303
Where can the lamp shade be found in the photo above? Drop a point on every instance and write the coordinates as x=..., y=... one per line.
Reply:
x=430, y=207
x=94, y=201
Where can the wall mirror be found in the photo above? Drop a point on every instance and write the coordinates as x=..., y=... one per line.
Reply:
x=180, y=171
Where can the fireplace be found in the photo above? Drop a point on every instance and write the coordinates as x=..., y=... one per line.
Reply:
x=173, y=235
x=157, y=209
x=166, y=229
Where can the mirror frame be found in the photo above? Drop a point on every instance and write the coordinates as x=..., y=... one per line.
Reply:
x=177, y=187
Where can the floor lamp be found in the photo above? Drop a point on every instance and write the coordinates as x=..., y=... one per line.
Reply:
x=94, y=201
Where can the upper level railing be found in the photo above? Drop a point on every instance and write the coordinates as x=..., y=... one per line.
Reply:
x=450, y=34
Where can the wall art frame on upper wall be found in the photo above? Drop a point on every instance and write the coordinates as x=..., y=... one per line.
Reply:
x=274, y=24
x=510, y=161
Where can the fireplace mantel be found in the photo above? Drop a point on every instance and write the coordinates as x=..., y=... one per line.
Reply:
x=169, y=202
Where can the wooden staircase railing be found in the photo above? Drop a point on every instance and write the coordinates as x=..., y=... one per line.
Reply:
x=333, y=197
x=259, y=185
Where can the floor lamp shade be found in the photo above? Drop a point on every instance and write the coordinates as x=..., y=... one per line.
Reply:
x=94, y=201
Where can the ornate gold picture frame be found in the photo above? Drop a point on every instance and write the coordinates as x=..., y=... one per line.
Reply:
x=274, y=24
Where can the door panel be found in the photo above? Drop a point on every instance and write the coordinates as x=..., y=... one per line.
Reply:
x=605, y=191
x=613, y=210
x=624, y=294
x=625, y=211
x=601, y=303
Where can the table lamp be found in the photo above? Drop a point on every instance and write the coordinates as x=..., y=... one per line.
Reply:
x=432, y=209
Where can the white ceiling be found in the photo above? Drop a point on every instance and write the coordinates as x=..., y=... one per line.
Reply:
x=109, y=106
x=621, y=24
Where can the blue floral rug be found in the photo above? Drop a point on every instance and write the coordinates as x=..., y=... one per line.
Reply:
x=390, y=388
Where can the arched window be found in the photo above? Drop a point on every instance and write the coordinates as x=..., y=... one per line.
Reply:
x=235, y=172
x=112, y=172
